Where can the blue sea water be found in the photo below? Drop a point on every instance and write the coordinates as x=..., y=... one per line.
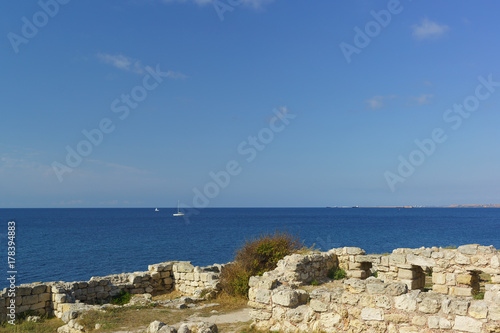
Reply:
x=76, y=244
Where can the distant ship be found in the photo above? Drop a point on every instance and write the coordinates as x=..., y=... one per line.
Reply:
x=157, y=210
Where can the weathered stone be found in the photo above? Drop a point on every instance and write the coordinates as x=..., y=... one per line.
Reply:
x=461, y=291
x=467, y=324
x=439, y=288
x=382, y=301
x=396, y=259
x=433, y=322
x=396, y=288
x=263, y=296
x=285, y=297
x=318, y=305
x=478, y=310
x=409, y=329
x=419, y=320
x=438, y=278
x=348, y=298
x=494, y=312
x=355, y=286
x=406, y=302
x=375, y=288
x=469, y=249
x=372, y=314
x=397, y=318
x=297, y=314
x=420, y=261
x=462, y=260
x=354, y=250
x=430, y=305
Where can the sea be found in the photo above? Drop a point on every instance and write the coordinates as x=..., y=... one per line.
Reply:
x=76, y=244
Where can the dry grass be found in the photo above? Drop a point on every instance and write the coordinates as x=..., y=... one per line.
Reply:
x=132, y=318
x=45, y=326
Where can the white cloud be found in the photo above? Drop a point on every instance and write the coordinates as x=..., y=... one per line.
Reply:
x=376, y=102
x=176, y=75
x=423, y=99
x=429, y=29
x=250, y=3
x=122, y=62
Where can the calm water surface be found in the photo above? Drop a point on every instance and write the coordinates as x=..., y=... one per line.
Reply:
x=76, y=244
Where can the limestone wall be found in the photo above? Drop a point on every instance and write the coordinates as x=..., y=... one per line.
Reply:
x=189, y=279
x=393, y=302
x=369, y=306
x=54, y=298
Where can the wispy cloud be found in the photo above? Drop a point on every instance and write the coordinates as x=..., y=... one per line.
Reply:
x=119, y=167
x=376, y=102
x=428, y=29
x=423, y=99
x=251, y=3
x=176, y=75
x=122, y=62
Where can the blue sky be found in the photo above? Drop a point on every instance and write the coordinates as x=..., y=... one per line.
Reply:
x=284, y=103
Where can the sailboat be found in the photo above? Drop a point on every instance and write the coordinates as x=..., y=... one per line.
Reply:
x=157, y=210
x=179, y=213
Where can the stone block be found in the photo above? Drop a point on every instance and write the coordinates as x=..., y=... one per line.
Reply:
x=406, y=274
x=494, y=312
x=433, y=322
x=438, y=278
x=451, y=279
x=396, y=259
x=318, y=305
x=406, y=302
x=478, y=310
x=419, y=320
x=30, y=300
x=464, y=279
x=288, y=298
x=372, y=314
x=469, y=249
x=38, y=289
x=430, y=304
x=357, y=274
x=397, y=318
x=409, y=329
x=353, y=250
x=375, y=288
x=439, y=288
x=461, y=291
x=396, y=288
x=462, y=260
x=382, y=301
x=467, y=324
x=420, y=261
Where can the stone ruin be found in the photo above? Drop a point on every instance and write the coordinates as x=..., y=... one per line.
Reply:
x=394, y=301
x=56, y=298
x=284, y=299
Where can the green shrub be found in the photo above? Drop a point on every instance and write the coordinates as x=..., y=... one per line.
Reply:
x=450, y=247
x=255, y=257
x=337, y=274
x=478, y=295
x=314, y=282
x=121, y=298
x=375, y=274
